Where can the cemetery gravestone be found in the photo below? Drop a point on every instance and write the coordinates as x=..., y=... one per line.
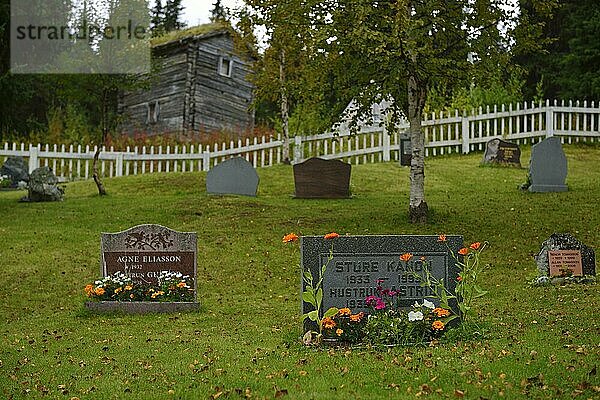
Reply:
x=548, y=167
x=501, y=152
x=233, y=176
x=405, y=149
x=317, y=178
x=141, y=253
x=17, y=169
x=359, y=262
x=563, y=255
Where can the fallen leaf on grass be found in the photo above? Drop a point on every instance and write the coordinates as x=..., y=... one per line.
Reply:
x=459, y=393
x=280, y=393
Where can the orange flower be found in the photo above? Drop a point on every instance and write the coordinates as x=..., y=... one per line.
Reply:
x=89, y=289
x=437, y=325
x=463, y=251
x=344, y=311
x=423, y=258
x=99, y=291
x=441, y=312
x=339, y=332
x=331, y=235
x=475, y=245
x=128, y=287
x=357, y=317
x=131, y=296
x=328, y=323
x=291, y=237
x=442, y=238
x=117, y=290
x=406, y=257
x=459, y=278
x=181, y=285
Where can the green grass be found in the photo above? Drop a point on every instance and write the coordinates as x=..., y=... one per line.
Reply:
x=540, y=342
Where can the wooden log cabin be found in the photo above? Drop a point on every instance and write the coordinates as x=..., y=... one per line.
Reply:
x=199, y=85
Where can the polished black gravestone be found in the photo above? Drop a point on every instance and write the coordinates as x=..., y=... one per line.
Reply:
x=360, y=262
x=501, y=152
x=141, y=253
x=233, y=176
x=563, y=255
x=548, y=167
x=317, y=178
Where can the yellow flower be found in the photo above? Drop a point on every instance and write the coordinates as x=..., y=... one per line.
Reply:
x=99, y=291
x=128, y=287
x=89, y=290
x=344, y=311
x=181, y=285
x=437, y=325
x=441, y=312
x=339, y=332
x=357, y=317
x=328, y=323
x=156, y=294
x=119, y=289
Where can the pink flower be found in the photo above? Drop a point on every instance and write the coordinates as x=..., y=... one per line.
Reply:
x=371, y=299
x=380, y=304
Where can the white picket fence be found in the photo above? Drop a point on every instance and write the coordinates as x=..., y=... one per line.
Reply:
x=444, y=134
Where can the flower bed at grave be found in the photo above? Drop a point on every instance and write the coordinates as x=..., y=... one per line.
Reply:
x=171, y=287
x=387, y=323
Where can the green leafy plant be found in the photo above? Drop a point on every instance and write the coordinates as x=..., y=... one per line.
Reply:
x=467, y=285
x=5, y=181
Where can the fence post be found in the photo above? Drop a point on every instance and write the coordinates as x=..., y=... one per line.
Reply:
x=119, y=164
x=465, y=134
x=298, y=149
x=205, y=160
x=549, y=120
x=33, y=158
x=386, y=145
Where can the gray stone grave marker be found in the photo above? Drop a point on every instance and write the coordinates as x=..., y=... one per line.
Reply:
x=548, y=167
x=317, y=178
x=141, y=253
x=562, y=255
x=17, y=169
x=501, y=152
x=359, y=262
x=233, y=176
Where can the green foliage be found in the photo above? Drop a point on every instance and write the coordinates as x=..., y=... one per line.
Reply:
x=566, y=64
x=313, y=295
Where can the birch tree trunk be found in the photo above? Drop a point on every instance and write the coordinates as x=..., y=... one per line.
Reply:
x=416, y=102
x=284, y=111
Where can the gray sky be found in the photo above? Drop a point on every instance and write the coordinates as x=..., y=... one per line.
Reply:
x=198, y=11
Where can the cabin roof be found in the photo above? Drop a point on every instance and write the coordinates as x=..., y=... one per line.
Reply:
x=195, y=32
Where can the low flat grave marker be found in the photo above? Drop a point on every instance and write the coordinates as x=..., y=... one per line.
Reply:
x=563, y=256
x=548, y=167
x=234, y=176
x=141, y=253
x=501, y=152
x=359, y=262
x=317, y=178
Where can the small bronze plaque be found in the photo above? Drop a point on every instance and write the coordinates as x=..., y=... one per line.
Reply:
x=565, y=262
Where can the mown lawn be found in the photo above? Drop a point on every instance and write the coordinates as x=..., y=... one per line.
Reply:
x=538, y=342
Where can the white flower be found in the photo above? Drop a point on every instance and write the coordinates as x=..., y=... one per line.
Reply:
x=428, y=304
x=415, y=316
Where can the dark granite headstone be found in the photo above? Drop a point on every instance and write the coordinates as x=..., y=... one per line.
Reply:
x=563, y=252
x=360, y=261
x=317, y=178
x=405, y=150
x=548, y=167
x=233, y=176
x=42, y=186
x=141, y=253
x=17, y=169
x=501, y=152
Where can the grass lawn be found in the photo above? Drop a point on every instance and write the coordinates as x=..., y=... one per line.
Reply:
x=538, y=342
